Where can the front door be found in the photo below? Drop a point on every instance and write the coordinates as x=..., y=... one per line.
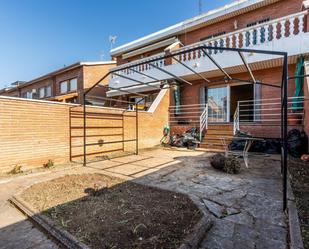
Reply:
x=218, y=101
x=242, y=94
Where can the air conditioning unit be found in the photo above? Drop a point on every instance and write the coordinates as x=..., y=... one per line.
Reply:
x=34, y=91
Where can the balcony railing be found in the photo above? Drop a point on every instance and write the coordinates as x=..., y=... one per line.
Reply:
x=268, y=112
x=262, y=34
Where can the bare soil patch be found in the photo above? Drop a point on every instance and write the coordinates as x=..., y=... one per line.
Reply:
x=107, y=212
x=299, y=172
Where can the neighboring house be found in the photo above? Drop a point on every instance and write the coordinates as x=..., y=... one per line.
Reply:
x=66, y=84
x=277, y=25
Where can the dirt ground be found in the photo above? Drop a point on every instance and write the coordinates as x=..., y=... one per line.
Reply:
x=299, y=172
x=104, y=210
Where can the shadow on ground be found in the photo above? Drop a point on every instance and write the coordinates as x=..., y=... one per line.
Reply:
x=246, y=208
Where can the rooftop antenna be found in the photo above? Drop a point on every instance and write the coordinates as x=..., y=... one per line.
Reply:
x=112, y=40
x=200, y=7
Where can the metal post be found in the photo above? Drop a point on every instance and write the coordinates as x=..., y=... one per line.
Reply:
x=84, y=113
x=285, y=130
x=136, y=127
x=70, y=133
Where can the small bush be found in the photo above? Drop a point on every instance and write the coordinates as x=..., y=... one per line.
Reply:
x=49, y=164
x=16, y=170
x=229, y=165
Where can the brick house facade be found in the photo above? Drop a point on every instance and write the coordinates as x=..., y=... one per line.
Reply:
x=65, y=85
x=278, y=25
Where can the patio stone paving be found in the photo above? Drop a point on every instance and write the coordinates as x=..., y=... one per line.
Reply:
x=246, y=209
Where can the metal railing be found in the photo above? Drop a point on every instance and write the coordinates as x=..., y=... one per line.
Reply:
x=184, y=117
x=268, y=112
x=203, y=121
x=236, y=126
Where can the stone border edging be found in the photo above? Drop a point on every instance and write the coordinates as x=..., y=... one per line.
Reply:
x=296, y=240
x=192, y=241
x=62, y=236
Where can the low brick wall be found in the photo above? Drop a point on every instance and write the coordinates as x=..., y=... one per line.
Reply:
x=267, y=131
x=33, y=131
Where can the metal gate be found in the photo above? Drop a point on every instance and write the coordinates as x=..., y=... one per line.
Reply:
x=102, y=133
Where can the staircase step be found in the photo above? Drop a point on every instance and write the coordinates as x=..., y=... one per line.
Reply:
x=214, y=134
x=219, y=132
x=212, y=146
x=219, y=127
x=218, y=139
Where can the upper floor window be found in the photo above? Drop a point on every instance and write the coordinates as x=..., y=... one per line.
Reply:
x=41, y=92
x=258, y=22
x=27, y=95
x=73, y=84
x=48, y=91
x=68, y=85
x=63, y=86
x=44, y=92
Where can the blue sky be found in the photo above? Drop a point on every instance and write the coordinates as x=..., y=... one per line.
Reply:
x=38, y=36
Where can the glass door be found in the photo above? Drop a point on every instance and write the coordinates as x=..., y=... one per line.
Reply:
x=218, y=105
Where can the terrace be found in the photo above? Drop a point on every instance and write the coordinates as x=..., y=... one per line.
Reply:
x=283, y=34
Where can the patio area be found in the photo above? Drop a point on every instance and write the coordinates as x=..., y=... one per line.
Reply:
x=246, y=209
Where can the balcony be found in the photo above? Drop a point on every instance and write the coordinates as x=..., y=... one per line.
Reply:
x=286, y=34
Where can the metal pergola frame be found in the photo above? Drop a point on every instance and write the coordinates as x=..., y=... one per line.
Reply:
x=207, y=51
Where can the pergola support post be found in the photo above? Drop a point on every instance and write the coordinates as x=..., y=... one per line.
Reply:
x=84, y=129
x=285, y=129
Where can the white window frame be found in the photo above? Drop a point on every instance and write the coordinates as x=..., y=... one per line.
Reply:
x=66, y=88
x=74, y=79
x=40, y=89
x=46, y=91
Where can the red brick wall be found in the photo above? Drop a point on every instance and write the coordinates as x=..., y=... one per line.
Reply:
x=273, y=11
x=276, y=10
x=191, y=95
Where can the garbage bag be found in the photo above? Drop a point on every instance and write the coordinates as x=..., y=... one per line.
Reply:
x=268, y=146
x=297, y=143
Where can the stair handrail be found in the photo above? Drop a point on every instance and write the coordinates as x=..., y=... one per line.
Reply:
x=204, y=120
x=236, y=120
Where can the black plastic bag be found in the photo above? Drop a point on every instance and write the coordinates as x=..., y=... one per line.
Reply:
x=297, y=143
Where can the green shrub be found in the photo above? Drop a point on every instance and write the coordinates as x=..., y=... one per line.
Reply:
x=49, y=164
x=16, y=170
